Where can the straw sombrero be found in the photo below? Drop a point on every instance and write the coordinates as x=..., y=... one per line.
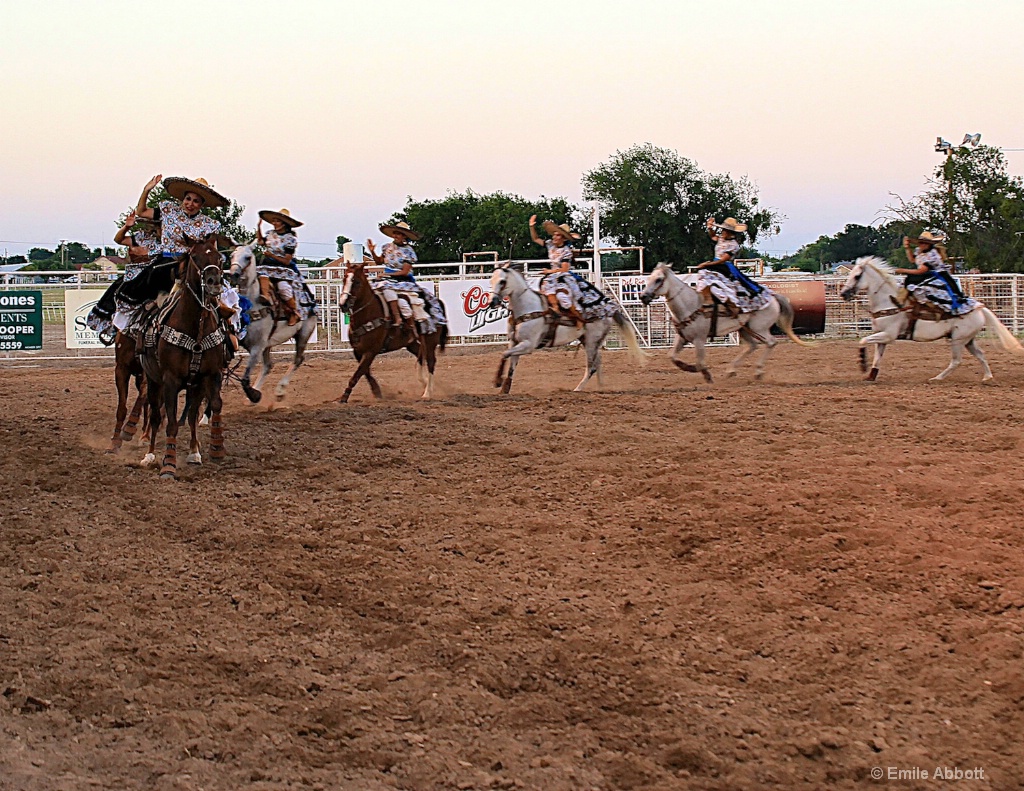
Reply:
x=732, y=225
x=929, y=238
x=402, y=228
x=551, y=227
x=177, y=186
x=284, y=216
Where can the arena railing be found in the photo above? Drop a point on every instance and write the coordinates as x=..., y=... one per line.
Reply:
x=1002, y=293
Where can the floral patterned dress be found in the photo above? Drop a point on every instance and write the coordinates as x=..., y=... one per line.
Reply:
x=937, y=286
x=176, y=228
x=728, y=284
x=287, y=276
x=396, y=256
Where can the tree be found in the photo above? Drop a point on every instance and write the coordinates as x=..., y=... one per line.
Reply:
x=655, y=198
x=40, y=254
x=15, y=259
x=342, y=241
x=847, y=245
x=980, y=206
x=469, y=222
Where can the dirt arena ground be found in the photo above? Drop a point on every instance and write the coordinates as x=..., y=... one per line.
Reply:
x=665, y=585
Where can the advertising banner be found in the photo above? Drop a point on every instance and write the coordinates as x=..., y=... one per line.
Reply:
x=808, y=300
x=21, y=320
x=77, y=304
x=469, y=309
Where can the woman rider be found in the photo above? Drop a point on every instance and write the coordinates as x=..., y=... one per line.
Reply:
x=931, y=281
x=181, y=223
x=720, y=280
x=557, y=283
x=142, y=238
x=278, y=262
x=398, y=258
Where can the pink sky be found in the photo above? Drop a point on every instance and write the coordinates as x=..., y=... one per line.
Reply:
x=340, y=110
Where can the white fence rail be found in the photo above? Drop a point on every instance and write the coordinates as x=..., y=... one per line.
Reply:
x=1002, y=293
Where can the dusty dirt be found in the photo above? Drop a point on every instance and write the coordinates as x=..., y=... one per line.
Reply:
x=665, y=585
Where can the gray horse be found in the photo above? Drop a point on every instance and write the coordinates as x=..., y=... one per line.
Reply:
x=263, y=333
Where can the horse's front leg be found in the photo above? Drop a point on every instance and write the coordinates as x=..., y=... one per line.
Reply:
x=701, y=354
x=363, y=369
x=155, y=416
x=217, y=452
x=268, y=363
x=169, y=465
x=255, y=355
x=880, y=339
x=429, y=353
x=506, y=386
x=876, y=362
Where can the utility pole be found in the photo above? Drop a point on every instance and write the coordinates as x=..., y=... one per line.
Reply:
x=597, y=247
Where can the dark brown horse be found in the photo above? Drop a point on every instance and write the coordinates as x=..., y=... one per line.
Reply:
x=370, y=333
x=188, y=355
x=127, y=367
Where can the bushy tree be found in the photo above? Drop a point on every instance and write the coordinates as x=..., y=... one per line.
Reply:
x=973, y=198
x=655, y=198
x=469, y=222
x=847, y=245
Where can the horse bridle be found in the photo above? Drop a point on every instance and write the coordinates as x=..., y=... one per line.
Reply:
x=201, y=297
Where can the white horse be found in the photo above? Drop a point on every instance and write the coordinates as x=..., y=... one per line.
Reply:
x=529, y=329
x=889, y=322
x=693, y=325
x=263, y=333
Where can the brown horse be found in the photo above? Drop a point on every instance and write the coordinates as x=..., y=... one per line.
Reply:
x=370, y=333
x=188, y=355
x=127, y=367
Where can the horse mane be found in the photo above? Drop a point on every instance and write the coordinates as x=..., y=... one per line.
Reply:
x=883, y=267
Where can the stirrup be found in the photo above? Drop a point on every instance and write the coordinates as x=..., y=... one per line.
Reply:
x=108, y=336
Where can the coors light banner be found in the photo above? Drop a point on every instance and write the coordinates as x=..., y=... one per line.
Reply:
x=469, y=308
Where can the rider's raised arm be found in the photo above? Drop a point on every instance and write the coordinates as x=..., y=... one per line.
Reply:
x=372, y=248
x=141, y=209
x=122, y=232
x=533, y=231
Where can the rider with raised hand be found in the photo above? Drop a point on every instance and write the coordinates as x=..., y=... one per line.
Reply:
x=931, y=281
x=181, y=221
x=557, y=284
x=720, y=280
x=278, y=262
x=398, y=258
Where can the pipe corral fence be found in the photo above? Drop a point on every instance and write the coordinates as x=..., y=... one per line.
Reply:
x=1002, y=293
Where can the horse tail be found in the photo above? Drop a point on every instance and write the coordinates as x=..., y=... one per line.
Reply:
x=785, y=320
x=1007, y=338
x=636, y=354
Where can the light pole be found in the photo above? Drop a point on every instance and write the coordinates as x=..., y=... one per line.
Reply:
x=942, y=146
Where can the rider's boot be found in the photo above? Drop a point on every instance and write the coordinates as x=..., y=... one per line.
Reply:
x=732, y=310
x=553, y=305
x=576, y=316
x=707, y=298
x=396, y=314
x=293, y=311
x=224, y=311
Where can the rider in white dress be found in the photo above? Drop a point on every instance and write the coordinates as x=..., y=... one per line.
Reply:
x=720, y=280
x=278, y=263
x=558, y=284
x=398, y=258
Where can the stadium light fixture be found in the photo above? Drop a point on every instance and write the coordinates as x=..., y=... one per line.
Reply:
x=971, y=141
x=942, y=146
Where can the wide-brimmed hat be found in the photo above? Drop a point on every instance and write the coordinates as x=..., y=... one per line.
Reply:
x=731, y=224
x=551, y=227
x=929, y=238
x=177, y=186
x=284, y=216
x=402, y=228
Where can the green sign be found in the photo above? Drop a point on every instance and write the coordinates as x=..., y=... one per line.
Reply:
x=21, y=320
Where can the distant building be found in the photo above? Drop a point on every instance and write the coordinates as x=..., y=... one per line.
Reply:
x=107, y=263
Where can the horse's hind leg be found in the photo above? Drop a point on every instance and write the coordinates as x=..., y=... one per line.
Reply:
x=195, y=455
x=974, y=349
x=130, y=427
x=217, y=452
x=122, y=378
x=956, y=353
x=301, y=339
x=749, y=346
x=169, y=465
x=593, y=362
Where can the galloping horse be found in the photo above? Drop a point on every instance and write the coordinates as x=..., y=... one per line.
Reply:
x=371, y=333
x=529, y=328
x=189, y=354
x=693, y=325
x=889, y=321
x=263, y=332
x=126, y=367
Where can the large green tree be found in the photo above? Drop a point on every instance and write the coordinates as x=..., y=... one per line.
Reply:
x=847, y=245
x=470, y=222
x=974, y=199
x=655, y=198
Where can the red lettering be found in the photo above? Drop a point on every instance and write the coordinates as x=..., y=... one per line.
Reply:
x=475, y=300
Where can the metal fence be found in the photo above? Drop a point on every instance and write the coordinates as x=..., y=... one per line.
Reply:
x=1002, y=293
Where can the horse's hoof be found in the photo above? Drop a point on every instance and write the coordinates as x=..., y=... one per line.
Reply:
x=988, y=378
x=167, y=476
x=148, y=460
x=935, y=379
x=707, y=376
x=280, y=397
x=218, y=454
x=872, y=375
x=730, y=374
x=759, y=376
x=195, y=458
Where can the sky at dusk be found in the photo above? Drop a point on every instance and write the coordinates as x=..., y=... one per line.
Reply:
x=340, y=110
